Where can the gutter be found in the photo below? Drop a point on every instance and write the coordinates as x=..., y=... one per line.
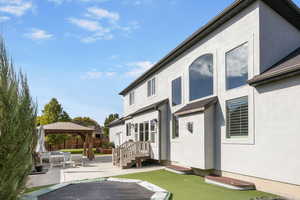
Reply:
x=274, y=76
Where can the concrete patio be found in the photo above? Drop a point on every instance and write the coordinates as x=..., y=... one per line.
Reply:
x=100, y=167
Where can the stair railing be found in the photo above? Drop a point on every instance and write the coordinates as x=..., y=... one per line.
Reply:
x=129, y=151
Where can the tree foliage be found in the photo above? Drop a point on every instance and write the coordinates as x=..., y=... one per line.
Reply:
x=108, y=120
x=17, y=129
x=54, y=112
x=85, y=121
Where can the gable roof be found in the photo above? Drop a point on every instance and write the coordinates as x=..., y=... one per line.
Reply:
x=288, y=66
x=286, y=8
x=196, y=107
x=66, y=127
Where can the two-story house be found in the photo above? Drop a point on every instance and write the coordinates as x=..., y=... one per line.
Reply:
x=226, y=99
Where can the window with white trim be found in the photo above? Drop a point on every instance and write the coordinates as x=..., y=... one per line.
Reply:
x=151, y=87
x=128, y=129
x=237, y=67
x=176, y=92
x=131, y=98
x=153, y=128
x=175, y=128
x=237, y=117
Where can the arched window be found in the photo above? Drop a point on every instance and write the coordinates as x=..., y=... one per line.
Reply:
x=201, y=77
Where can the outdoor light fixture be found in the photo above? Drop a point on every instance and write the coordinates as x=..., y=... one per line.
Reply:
x=190, y=127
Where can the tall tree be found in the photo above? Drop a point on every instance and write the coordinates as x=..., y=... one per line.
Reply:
x=85, y=121
x=17, y=129
x=108, y=120
x=54, y=112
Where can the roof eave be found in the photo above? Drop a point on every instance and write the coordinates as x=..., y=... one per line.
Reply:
x=212, y=25
x=291, y=71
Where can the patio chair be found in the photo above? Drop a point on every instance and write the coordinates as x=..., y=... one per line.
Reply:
x=56, y=160
x=45, y=157
x=68, y=160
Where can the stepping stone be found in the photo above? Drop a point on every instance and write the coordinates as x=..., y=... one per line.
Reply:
x=179, y=169
x=230, y=183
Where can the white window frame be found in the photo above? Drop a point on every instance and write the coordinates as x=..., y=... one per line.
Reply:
x=151, y=89
x=131, y=98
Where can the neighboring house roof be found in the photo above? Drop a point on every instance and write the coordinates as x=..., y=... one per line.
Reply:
x=148, y=108
x=198, y=106
x=286, y=8
x=288, y=66
x=66, y=127
x=116, y=122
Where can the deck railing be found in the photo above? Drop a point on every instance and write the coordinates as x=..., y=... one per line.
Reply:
x=129, y=151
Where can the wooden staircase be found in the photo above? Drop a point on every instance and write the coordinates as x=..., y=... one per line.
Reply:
x=130, y=154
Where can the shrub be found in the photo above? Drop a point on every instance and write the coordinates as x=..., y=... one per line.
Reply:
x=17, y=129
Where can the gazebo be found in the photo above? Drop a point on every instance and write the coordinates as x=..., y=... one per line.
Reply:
x=71, y=128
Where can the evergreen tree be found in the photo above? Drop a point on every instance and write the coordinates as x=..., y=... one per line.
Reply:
x=17, y=129
x=108, y=120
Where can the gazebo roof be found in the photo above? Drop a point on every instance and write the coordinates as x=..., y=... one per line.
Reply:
x=66, y=127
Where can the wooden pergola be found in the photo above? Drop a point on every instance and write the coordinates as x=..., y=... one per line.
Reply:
x=85, y=133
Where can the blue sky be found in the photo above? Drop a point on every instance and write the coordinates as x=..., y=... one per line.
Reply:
x=84, y=52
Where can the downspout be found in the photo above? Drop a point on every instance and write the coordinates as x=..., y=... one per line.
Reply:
x=160, y=135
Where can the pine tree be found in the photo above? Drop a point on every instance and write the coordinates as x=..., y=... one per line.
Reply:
x=17, y=129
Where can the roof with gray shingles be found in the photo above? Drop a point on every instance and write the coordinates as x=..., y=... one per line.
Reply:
x=67, y=126
x=198, y=106
x=288, y=66
x=286, y=8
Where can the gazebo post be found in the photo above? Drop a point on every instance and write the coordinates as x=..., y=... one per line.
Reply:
x=90, y=153
x=84, y=139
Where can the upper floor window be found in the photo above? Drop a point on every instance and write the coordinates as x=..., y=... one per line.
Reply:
x=151, y=87
x=237, y=67
x=176, y=92
x=131, y=98
x=237, y=117
x=201, y=77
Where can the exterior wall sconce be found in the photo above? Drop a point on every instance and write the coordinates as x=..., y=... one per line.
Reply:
x=190, y=127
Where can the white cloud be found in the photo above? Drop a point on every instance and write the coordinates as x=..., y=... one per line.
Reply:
x=91, y=75
x=100, y=13
x=4, y=19
x=38, y=34
x=84, y=1
x=139, y=68
x=94, y=75
x=88, y=25
x=15, y=7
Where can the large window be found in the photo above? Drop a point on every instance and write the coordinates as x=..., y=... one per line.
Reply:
x=131, y=98
x=151, y=87
x=175, y=124
x=237, y=117
x=176, y=92
x=201, y=77
x=153, y=128
x=128, y=129
x=141, y=132
x=237, y=67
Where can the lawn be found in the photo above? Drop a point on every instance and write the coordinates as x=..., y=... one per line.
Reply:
x=79, y=151
x=191, y=187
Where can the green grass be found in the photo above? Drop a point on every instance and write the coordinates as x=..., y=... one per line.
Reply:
x=191, y=187
x=28, y=190
x=79, y=151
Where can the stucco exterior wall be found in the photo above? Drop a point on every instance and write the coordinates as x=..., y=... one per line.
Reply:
x=116, y=134
x=278, y=38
